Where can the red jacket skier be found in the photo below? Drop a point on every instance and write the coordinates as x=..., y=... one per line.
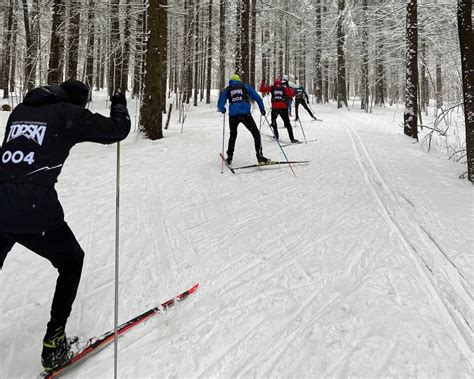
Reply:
x=279, y=98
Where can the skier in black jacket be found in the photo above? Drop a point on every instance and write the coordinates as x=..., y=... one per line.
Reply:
x=303, y=99
x=39, y=135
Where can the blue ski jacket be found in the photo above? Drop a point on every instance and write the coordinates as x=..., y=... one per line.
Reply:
x=238, y=107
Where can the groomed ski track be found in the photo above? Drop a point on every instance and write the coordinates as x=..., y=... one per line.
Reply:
x=359, y=266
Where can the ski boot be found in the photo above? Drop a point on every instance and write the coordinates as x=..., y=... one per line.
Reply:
x=229, y=160
x=262, y=160
x=56, y=348
x=295, y=141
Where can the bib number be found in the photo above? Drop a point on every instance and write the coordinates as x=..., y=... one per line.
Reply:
x=18, y=157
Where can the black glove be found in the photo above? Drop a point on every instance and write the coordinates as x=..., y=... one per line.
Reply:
x=118, y=98
x=262, y=111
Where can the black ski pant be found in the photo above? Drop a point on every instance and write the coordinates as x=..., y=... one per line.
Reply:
x=283, y=113
x=305, y=106
x=61, y=248
x=249, y=123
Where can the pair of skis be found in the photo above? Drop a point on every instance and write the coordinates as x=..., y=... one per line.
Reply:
x=271, y=163
x=96, y=344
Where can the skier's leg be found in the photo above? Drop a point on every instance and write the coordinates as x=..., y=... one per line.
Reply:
x=233, y=124
x=6, y=245
x=61, y=248
x=305, y=105
x=297, y=104
x=249, y=123
x=274, y=123
x=286, y=120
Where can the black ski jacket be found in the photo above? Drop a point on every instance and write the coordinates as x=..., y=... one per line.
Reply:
x=39, y=135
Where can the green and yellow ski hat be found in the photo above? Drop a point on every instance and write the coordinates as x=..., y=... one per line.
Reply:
x=235, y=77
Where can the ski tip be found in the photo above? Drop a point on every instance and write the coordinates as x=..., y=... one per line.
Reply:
x=193, y=288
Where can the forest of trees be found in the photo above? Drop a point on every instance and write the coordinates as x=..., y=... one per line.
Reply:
x=374, y=53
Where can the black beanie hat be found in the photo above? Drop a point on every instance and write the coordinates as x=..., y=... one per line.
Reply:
x=77, y=92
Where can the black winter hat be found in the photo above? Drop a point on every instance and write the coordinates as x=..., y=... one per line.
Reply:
x=77, y=92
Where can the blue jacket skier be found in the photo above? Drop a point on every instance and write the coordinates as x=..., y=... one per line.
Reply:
x=239, y=95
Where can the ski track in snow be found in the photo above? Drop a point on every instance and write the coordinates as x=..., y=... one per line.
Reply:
x=455, y=300
x=359, y=266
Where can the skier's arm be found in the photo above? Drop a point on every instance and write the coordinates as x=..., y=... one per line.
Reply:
x=290, y=92
x=264, y=88
x=256, y=97
x=222, y=100
x=94, y=127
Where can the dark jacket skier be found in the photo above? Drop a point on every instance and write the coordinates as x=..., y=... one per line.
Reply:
x=303, y=99
x=39, y=135
x=239, y=95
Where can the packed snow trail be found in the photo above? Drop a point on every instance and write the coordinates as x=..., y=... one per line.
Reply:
x=359, y=266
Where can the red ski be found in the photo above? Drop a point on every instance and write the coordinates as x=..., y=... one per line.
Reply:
x=97, y=343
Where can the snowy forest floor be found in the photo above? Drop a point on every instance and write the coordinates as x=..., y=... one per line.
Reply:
x=361, y=265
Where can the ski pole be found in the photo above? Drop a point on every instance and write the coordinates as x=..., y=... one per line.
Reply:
x=314, y=113
x=117, y=223
x=223, y=142
x=304, y=135
x=281, y=148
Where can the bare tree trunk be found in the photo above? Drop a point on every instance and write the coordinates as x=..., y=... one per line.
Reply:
x=238, y=43
x=73, y=48
x=379, y=69
x=253, y=45
x=164, y=80
x=244, y=38
x=341, y=64
x=151, y=115
x=287, y=48
x=325, y=79
x=202, y=64
x=139, y=54
x=318, y=68
x=5, y=29
x=90, y=44
x=54, y=70
x=100, y=64
x=189, y=7
x=126, y=49
x=222, y=43
x=115, y=58
x=275, y=58
x=7, y=50
x=36, y=36
x=466, y=42
x=439, y=83
x=424, y=94
x=265, y=54
x=303, y=62
x=30, y=54
x=13, y=50
x=209, y=55
x=411, y=86
x=196, y=53
x=281, y=66
x=364, y=90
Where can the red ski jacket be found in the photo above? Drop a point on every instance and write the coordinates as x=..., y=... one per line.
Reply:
x=280, y=94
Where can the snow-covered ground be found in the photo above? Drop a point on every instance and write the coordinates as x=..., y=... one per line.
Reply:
x=361, y=265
